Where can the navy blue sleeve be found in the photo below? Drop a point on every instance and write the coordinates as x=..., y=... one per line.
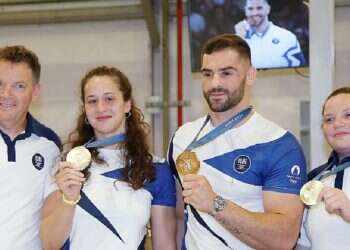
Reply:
x=287, y=170
x=163, y=187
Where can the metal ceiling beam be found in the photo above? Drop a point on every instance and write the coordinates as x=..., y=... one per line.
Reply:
x=340, y=3
x=151, y=23
x=69, y=12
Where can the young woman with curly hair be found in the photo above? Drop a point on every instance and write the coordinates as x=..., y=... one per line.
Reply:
x=108, y=205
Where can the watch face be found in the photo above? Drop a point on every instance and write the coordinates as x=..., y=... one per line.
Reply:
x=219, y=203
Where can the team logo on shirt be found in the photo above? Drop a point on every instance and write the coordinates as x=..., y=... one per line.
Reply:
x=275, y=41
x=38, y=161
x=241, y=164
x=294, y=176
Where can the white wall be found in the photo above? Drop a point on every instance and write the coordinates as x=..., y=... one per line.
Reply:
x=67, y=51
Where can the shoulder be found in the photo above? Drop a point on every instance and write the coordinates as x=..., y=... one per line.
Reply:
x=41, y=130
x=185, y=134
x=261, y=130
x=189, y=127
x=162, y=169
x=277, y=30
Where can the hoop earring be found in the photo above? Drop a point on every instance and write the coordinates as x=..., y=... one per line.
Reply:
x=86, y=121
x=128, y=114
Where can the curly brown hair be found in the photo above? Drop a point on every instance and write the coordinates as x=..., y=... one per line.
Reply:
x=138, y=168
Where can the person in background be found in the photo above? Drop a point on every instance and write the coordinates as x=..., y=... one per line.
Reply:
x=272, y=46
x=28, y=150
x=327, y=223
x=109, y=206
x=245, y=194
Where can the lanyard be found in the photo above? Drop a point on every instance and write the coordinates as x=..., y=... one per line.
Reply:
x=105, y=141
x=335, y=170
x=219, y=130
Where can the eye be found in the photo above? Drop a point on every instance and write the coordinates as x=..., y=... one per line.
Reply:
x=226, y=73
x=206, y=74
x=328, y=120
x=91, y=101
x=347, y=115
x=109, y=99
x=20, y=86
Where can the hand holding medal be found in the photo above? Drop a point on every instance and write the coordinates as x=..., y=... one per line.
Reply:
x=80, y=157
x=187, y=163
x=310, y=192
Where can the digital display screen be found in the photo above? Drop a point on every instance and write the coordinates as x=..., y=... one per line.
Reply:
x=277, y=31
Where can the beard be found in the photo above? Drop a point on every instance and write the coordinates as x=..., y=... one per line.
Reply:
x=256, y=21
x=232, y=98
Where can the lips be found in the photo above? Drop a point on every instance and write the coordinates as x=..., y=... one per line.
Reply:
x=6, y=105
x=103, y=118
x=339, y=134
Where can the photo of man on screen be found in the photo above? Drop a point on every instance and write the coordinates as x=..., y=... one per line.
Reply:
x=272, y=46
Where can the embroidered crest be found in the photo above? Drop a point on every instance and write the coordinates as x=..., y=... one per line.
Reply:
x=241, y=164
x=38, y=161
x=275, y=41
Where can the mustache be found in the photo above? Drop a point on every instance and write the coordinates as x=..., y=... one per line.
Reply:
x=217, y=90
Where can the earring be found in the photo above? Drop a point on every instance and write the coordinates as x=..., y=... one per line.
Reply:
x=128, y=114
x=86, y=121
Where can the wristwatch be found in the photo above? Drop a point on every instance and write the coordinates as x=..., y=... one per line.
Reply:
x=218, y=205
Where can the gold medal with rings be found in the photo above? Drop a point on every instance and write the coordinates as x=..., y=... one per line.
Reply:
x=187, y=163
x=310, y=192
x=80, y=157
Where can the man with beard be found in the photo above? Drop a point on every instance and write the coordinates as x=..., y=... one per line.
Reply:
x=272, y=46
x=240, y=173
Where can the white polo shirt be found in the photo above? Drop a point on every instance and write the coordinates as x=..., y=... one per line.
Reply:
x=240, y=165
x=25, y=165
x=276, y=48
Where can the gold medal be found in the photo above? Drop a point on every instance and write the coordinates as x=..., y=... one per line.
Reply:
x=310, y=192
x=187, y=163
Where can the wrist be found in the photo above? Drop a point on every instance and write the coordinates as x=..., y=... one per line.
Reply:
x=219, y=203
x=69, y=201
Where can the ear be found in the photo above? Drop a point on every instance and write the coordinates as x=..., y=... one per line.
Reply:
x=251, y=75
x=36, y=90
x=127, y=106
x=268, y=8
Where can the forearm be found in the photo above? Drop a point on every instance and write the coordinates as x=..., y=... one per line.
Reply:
x=56, y=226
x=259, y=230
x=180, y=228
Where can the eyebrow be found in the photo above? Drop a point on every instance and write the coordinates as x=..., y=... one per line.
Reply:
x=221, y=69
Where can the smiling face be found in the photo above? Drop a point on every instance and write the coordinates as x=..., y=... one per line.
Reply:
x=257, y=12
x=17, y=89
x=336, y=123
x=224, y=81
x=105, y=106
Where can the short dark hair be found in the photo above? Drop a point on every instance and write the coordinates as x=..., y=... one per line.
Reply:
x=20, y=54
x=227, y=41
x=339, y=91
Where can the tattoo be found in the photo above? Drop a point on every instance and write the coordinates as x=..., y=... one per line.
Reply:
x=232, y=229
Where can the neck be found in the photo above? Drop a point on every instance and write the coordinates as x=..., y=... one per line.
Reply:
x=263, y=27
x=13, y=131
x=218, y=118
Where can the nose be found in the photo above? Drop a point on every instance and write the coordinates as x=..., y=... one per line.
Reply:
x=5, y=90
x=339, y=121
x=216, y=80
x=101, y=106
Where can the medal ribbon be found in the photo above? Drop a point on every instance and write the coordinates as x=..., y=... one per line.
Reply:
x=335, y=170
x=105, y=141
x=222, y=128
